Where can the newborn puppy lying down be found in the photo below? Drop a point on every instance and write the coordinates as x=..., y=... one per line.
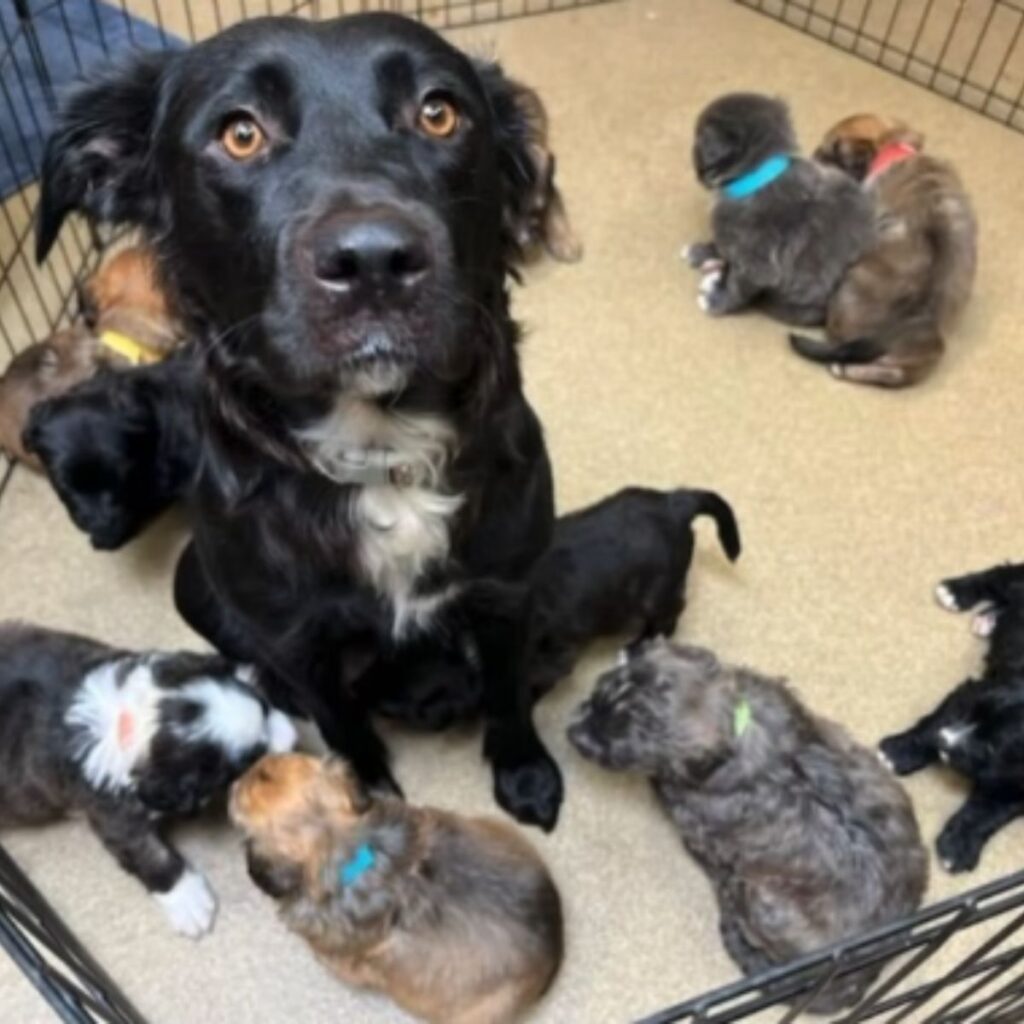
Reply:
x=127, y=740
x=456, y=919
x=784, y=229
x=617, y=566
x=806, y=836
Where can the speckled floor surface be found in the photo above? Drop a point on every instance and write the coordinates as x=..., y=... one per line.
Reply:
x=852, y=503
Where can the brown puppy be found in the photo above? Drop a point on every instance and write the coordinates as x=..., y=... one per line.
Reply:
x=41, y=371
x=127, y=323
x=885, y=320
x=128, y=310
x=456, y=919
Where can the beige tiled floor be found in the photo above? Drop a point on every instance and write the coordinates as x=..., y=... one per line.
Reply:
x=852, y=502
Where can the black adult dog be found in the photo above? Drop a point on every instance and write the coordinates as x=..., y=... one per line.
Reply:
x=121, y=447
x=336, y=206
x=978, y=728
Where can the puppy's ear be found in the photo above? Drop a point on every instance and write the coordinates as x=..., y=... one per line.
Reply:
x=275, y=876
x=534, y=213
x=97, y=158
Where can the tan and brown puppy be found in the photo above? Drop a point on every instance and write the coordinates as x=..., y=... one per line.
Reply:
x=127, y=323
x=126, y=307
x=41, y=371
x=886, y=320
x=456, y=919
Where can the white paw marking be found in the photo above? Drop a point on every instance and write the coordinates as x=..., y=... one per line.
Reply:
x=945, y=598
x=984, y=623
x=702, y=303
x=837, y=370
x=947, y=864
x=684, y=253
x=622, y=658
x=710, y=282
x=189, y=905
x=884, y=760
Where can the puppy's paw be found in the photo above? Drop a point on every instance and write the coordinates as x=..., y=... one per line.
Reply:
x=947, y=598
x=189, y=904
x=530, y=788
x=698, y=254
x=984, y=623
x=958, y=851
x=711, y=295
x=905, y=753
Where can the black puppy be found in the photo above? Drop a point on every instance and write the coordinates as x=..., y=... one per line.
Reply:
x=979, y=728
x=617, y=566
x=337, y=206
x=785, y=229
x=128, y=740
x=120, y=448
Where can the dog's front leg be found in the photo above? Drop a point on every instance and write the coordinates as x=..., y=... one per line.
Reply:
x=960, y=843
x=182, y=892
x=527, y=781
x=722, y=290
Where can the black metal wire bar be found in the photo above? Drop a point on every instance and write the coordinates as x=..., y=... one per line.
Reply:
x=962, y=997
x=158, y=18
x=978, y=43
x=1004, y=995
x=70, y=36
x=916, y=41
x=1010, y=50
x=101, y=34
x=129, y=22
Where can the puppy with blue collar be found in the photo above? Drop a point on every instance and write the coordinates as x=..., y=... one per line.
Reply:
x=784, y=229
x=456, y=919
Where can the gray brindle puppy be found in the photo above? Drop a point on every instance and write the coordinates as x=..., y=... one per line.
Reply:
x=128, y=740
x=806, y=836
x=784, y=229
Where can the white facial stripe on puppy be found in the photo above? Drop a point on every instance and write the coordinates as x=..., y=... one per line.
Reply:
x=117, y=722
x=231, y=718
x=189, y=904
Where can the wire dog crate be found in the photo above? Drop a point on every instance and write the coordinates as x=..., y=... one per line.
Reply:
x=970, y=51
x=956, y=962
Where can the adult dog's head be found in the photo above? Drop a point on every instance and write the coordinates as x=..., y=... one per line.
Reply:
x=335, y=204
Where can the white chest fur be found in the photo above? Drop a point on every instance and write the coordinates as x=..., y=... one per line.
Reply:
x=400, y=530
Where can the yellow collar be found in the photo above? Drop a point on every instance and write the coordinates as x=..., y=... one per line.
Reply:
x=134, y=351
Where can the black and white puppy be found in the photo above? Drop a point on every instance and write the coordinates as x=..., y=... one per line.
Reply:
x=617, y=566
x=978, y=729
x=784, y=229
x=128, y=740
x=120, y=448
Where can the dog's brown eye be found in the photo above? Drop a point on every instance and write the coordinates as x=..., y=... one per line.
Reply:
x=438, y=117
x=242, y=138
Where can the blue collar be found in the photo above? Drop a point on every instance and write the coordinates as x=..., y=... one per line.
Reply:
x=360, y=862
x=755, y=180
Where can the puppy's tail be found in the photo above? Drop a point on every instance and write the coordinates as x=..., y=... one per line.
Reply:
x=864, y=350
x=688, y=504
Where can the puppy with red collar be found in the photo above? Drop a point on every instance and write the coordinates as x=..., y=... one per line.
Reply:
x=456, y=919
x=886, y=320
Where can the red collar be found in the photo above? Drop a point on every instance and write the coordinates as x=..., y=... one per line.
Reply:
x=889, y=154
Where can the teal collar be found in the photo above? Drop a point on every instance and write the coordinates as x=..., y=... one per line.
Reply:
x=357, y=865
x=742, y=716
x=755, y=180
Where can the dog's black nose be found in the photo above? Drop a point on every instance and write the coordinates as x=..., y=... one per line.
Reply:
x=373, y=255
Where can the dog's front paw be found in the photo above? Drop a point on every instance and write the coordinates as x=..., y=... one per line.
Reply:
x=984, y=623
x=958, y=851
x=189, y=904
x=529, y=788
x=700, y=255
x=905, y=753
x=711, y=294
x=946, y=595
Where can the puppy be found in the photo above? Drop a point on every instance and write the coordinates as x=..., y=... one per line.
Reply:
x=128, y=310
x=978, y=730
x=41, y=371
x=886, y=320
x=785, y=229
x=806, y=837
x=456, y=919
x=120, y=448
x=129, y=740
x=617, y=566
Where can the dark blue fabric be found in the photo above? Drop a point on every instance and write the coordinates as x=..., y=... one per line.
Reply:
x=66, y=37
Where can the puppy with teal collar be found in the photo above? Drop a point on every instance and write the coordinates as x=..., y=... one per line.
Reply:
x=784, y=229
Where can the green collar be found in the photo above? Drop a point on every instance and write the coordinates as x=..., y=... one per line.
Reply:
x=742, y=716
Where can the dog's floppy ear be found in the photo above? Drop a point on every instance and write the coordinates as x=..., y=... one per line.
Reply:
x=97, y=158
x=534, y=212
